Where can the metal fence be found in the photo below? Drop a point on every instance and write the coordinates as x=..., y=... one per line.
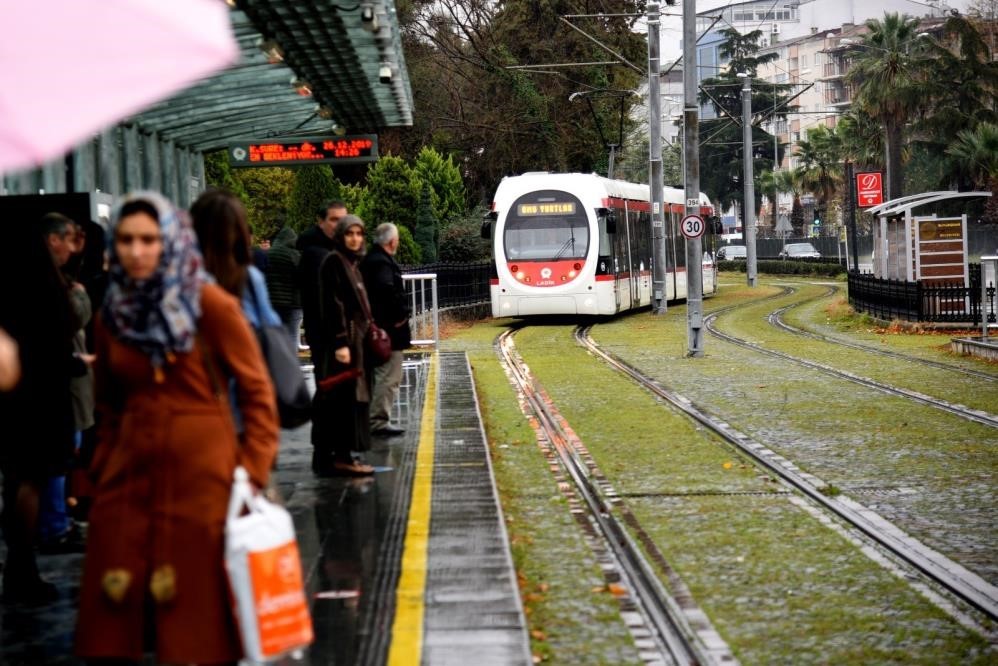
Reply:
x=457, y=284
x=923, y=301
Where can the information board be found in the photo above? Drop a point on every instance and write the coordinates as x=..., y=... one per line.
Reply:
x=322, y=150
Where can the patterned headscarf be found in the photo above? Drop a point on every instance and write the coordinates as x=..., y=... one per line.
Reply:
x=158, y=315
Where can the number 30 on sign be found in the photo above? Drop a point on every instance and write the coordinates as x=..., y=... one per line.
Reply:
x=692, y=226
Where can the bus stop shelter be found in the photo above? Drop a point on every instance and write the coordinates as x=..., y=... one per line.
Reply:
x=305, y=69
x=914, y=248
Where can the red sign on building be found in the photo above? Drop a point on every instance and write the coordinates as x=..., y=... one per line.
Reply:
x=869, y=189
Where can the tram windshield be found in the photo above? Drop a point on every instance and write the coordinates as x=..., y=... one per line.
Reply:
x=548, y=225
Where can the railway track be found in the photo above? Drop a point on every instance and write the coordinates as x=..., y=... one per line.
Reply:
x=945, y=573
x=680, y=631
x=975, y=415
x=775, y=318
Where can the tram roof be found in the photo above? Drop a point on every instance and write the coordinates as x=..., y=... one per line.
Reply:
x=325, y=45
x=608, y=187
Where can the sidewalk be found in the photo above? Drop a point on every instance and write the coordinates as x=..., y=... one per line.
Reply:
x=345, y=529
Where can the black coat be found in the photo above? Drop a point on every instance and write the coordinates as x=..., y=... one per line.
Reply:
x=36, y=417
x=389, y=306
x=282, y=271
x=314, y=245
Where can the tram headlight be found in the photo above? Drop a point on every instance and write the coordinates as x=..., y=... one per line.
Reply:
x=572, y=274
x=519, y=275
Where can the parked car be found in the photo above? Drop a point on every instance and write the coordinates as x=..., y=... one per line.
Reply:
x=732, y=253
x=799, y=251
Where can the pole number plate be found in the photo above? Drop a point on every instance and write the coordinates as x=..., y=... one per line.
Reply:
x=692, y=226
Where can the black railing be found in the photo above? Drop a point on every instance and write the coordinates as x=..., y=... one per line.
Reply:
x=458, y=284
x=921, y=301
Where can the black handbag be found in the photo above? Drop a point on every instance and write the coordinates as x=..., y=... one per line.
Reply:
x=294, y=403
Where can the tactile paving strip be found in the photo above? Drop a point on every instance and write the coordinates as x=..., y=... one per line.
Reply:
x=473, y=608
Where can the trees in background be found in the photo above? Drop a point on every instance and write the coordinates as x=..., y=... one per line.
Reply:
x=721, y=161
x=921, y=93
x=497, y=121
x=314, y=186
x=424, y=197
x=820, y=157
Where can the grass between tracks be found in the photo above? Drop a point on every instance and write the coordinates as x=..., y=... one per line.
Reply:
x=780, y=588
x=573, y=619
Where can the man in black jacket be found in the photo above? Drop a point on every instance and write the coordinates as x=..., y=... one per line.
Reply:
x=314, y=244
x=390, y=309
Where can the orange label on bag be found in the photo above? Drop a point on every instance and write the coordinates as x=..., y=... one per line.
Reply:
x=283, y=619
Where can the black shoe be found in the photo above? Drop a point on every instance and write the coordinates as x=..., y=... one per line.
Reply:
x=387, y=431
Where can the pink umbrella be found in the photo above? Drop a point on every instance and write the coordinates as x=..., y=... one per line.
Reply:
x=71, y=67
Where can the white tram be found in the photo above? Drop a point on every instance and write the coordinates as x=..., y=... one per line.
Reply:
x=573, y=243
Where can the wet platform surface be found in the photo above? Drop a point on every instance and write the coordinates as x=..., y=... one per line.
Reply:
x=352, y=533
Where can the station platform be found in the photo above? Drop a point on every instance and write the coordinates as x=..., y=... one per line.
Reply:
x=410, y=566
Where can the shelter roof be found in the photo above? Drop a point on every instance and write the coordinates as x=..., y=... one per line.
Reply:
x=325, y=47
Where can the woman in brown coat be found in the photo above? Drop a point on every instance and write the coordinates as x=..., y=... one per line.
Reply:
x=166, y=341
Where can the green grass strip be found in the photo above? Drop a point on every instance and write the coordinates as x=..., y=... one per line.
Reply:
x=780, y=587
x=572, y=618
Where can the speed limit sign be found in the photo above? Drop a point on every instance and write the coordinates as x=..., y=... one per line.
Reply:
x=692, y=226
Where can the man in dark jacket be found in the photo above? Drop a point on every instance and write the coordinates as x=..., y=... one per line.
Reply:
x=282, y=281
x=314, y=244
x=390, y=309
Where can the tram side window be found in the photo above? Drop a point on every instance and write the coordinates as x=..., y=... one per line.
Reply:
x=644, y=241
x=679, y=247
x=604, y=235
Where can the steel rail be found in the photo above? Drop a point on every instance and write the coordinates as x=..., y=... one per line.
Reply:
x=776, y=319
x=676, y=640
x=946, y=573
x=976, y=415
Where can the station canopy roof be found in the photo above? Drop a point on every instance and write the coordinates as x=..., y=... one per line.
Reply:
x=328, y=49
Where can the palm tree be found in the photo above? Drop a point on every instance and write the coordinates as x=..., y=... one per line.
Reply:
x=886, y=72
x=792, y=181
x=961, y=86
x=976, y=155
x=820, y=155
x=766, y=181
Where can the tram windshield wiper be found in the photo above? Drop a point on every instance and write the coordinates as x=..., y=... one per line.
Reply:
x=569, y=243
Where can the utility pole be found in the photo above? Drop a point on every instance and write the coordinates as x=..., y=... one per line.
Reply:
x=748, y=206
x=656, y=186
x=691, y=158
x=851, y=207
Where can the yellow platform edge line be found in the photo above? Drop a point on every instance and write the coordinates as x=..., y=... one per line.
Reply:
x=407, y=627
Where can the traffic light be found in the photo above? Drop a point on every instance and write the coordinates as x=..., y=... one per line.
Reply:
x=817, y=220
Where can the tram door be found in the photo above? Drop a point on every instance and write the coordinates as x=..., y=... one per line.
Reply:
x=630, y=255
x=619, y=254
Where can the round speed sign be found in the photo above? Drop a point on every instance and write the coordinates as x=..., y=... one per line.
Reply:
x=692, y=226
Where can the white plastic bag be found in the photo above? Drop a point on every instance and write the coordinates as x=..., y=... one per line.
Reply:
x=261, y=558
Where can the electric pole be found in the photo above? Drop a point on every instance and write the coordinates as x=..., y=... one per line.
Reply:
x=748, y=207
x=691, y=160
x=656, y=186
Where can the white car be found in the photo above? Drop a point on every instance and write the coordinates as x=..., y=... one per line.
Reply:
x=799, y=251
x=732, y=253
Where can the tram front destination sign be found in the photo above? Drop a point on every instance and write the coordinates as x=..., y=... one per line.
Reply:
x=320, y=150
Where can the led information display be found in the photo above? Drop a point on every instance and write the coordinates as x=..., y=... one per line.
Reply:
x=553, y=208
x=324, y=150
